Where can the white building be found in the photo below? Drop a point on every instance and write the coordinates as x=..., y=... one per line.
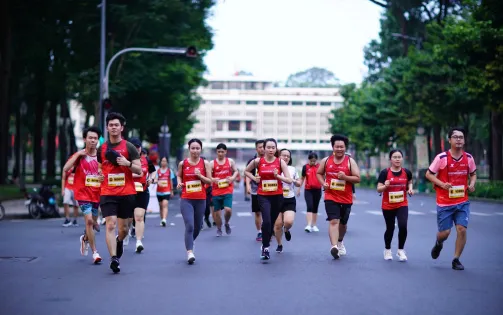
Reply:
x=238, y=110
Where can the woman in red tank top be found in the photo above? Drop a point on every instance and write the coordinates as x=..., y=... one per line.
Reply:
x=193, y=173
x=163, y=188
x=270, y=191
x=395, y=183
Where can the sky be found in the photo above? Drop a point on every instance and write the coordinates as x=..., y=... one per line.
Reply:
x=275, y=38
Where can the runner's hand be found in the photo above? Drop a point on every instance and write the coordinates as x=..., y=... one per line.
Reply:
x=471, y=188
x=122, y=161
x=387, y=183
x=446, y=186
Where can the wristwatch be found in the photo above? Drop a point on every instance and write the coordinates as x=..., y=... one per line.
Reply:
x=130, y=163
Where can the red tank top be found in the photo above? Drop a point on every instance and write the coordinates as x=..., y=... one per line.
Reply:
x=396, y=195
x=193, y=188
x=269, y=185
x=339, y=190
x=141, y=182
x=118, y=179
x=87, y=183
x=311, y=180
x=221, y=172
x=456, y=173
x=164, y=181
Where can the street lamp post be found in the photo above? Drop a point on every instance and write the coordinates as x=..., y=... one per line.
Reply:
x=164, y=140
x=23, y=109
x=190, y=52
x=102, y=56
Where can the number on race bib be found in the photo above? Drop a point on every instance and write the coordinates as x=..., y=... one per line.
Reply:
x=116, y=180
x=71, y=178
x=223, y=183
x=269, y=185
x=286, y=191
x=338, y=184
x=193, y=186
x=457, y=191
x=162, y=183
x=92, y=181
x=396, y=196
x=138, y=186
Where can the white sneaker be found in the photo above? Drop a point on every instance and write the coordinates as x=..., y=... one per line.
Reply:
x=191, y=258
x=163, y=223
x=84, y=246
x=315, y=229
x=139, y=246
x=401, y=255
x=342, y=249
x=96, y=258
x=308, y=229
x=388, y=255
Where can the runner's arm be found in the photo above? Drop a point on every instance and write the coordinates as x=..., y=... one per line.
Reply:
x=355, y=172
x=235, y=171
x=250, y=167
x=320, y=174
x=206, y=179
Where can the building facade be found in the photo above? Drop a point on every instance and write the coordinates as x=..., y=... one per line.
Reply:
x=238, y=110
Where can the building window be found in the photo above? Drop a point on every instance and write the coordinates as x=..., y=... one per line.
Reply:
x=234, y=102
x=268, y=103
x=220, y=125
x=297, y=103
x=311, y=103
x=310, y=141
x=282, y=141
x=250, y=85
x=234, y=85
x=234, y=125
x=217, y=85
x=214, y=102
x=325, y=104
x=282, y=103
x=296, y=141
x=248, y=125
x=251, y=102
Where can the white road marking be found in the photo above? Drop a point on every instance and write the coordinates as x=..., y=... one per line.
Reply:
x=360, y=202
x=499, y=213
x=433, y=211
x=416, y=212
x=178, y=215
x=480, y=214
x=244, y=214
x=374, y=212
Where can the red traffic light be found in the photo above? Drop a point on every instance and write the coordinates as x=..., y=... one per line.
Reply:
x=107, y=104
x=191, y=52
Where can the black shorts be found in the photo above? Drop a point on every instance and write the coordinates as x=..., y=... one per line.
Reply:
x=289, y=204
x=142, y=199
x=254, y=203
x=338, y=211
x=160, y=198
x=120, y=206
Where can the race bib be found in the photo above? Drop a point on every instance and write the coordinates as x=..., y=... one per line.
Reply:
x=193, y=186
x=338, y=184
x=162, y=183
x=93, y=181
x=286, y=191
x=223, y=183
x=138, y=186
x=396, y=196
x=70, y=179
x=116, y=180
x=269, y=185
x=457, y=191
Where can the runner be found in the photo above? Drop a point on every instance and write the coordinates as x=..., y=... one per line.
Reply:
x=223, y=173
x=312, y=192
x=270, y=189
x=164, y=183
x=251, y=188
x=67, y=192
x=142, y=194
x=87, y=188
x=453, y=168
x=395, y=183
x=337, y=173
x=192, y=173
x=288, y=208
x=118, y=160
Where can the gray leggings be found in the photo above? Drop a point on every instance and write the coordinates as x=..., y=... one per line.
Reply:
x=192, y=212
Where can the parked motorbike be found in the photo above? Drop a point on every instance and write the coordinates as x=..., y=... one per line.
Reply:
x=2, y=211
x=42, y=202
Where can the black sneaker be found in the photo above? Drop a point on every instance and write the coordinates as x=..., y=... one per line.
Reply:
x=279, y=249
x=334, y=252
x=228, y=229
x=67, y=223
x=435, y=251
x=133, y=233
x=207, y=221
x=457, y=265
x=120, y=247
x=265, y=254
x=115, y=265
x=74, y=223
x=288, y=236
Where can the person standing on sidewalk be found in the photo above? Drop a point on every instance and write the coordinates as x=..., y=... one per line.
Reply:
x=68, y=194
x=453, y=173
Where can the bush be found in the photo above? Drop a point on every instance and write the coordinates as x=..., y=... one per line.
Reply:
x=491, y=190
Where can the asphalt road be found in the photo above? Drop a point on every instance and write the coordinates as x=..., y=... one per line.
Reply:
x=50, y=277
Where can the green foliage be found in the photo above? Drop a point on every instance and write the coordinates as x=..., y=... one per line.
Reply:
x=313, y=77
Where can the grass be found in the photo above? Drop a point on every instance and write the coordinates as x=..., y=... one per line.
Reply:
x=10, y=192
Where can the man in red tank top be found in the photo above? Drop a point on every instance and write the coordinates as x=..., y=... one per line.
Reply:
x=337, y=174
x=449, y=173
x=118, y=159
x=223, y=173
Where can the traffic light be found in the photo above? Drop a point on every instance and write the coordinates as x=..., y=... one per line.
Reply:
x=191, y=52
x=107, y=104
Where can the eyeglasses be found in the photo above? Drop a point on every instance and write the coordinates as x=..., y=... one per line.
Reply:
x=457, y=137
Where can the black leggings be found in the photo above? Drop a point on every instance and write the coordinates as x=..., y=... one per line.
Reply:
x=313, y=197
x=270, y=207
x=402, y=215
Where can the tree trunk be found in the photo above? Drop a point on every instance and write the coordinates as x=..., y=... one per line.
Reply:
x=71, y=134
x=63, y=143
x=428, y=142
x=51, y=141
x=497, y=145
x=437, y=138
x=5, y=62
x=37, y=130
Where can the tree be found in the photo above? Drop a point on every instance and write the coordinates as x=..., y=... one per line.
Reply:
x=313, y=77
